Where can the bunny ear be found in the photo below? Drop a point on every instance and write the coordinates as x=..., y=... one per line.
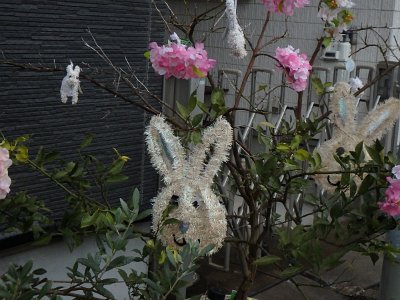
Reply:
x=77, y=70
x=166, y=151
x=380, y=121
x=70, y=68
x=208, y=156
x=343, y=107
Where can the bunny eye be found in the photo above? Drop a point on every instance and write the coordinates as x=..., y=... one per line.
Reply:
x=209, y=154
x=340, y=151
x=174, y=200
x=195, y=204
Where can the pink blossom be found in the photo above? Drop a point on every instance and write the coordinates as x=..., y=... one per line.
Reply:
x=391, y=205
x=5, y=180
x=180, y=61
x=296, y=66
x=284, y=6
x=5, y=161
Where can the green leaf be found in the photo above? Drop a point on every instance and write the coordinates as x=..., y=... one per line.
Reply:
x=26, y=268
x=22, y=154
x=217, y=97
x=89, y=220
x=186, y=42
x=375, y=155
x=50, y=156
x=171, y=221
x=120, y=243
x=116, y=166
x=262, y=87
x=147, y=54
x=197, y=120
x=301, y=155
x=44, y=240
x=171, y=257
x=124, y=207
x=116, y=178
x=135, y=199
x=182, y=110
x=266, y=124
x=87, y=141
x=327, y=41
x=151, y=284
x=266, y=260
x=202, y=106
x=39, y=271
x=316, y=159
x=366, y=184
x=195, y=137
x=102, y=291
x=283, y=147
x=358, y=154
x=336, y=211
x=296, y=142
x=144, y=214
x=317, y=85
x=89, y=262
x=290, y=271
x=119, y=262
x=192, y=102
x=45, y=288
x=108, y=281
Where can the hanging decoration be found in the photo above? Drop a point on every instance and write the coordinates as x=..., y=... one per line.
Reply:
x=235, y=37
x=347, y=134
x=70, y=86
x=187, y=199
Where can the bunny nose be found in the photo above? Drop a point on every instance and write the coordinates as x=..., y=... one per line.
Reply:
x=340, y=151
x=184, y=227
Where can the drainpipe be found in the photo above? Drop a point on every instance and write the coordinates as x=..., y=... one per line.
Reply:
x=389, y=285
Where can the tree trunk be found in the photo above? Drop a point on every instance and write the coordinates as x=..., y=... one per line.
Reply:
x=249, y=276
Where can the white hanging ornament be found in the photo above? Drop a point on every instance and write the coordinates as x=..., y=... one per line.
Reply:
x=235, y=37
x=70, y=86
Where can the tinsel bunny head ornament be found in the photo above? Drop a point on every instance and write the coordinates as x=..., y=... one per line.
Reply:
x=347, y=134
x=188, y=177
x=70, y=86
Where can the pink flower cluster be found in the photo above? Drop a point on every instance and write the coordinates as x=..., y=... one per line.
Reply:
x=180, y=61
x=5, y=181
x=391, y=205
x=284, y=6
x=296, y=66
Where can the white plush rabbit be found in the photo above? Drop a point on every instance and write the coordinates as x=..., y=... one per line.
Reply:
x=347, y=134
x=188, y=179
x=70, y=86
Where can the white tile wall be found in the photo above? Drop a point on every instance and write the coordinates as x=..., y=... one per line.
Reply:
x=302, y=30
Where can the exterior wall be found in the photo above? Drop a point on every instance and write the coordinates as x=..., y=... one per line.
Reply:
x=302, y=30
x=51, y=33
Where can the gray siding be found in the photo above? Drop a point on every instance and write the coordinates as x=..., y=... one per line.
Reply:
x=50, y=33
